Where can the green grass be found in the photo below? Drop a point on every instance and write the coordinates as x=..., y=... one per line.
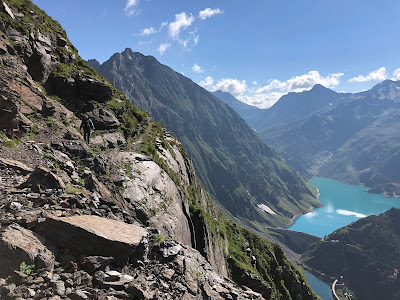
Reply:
x=70, y=189
x=12, y=144
x=52, y=123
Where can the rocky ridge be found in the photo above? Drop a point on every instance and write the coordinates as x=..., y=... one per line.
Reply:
x=122, y=218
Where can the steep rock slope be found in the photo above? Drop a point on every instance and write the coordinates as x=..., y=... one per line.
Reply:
x=366, y=253
x=355, y=142
x=120, y=218
x=233, y=164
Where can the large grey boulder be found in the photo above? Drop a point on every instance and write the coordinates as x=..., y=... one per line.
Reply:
x=103, y=119
x=92, y=235
x=19, y=245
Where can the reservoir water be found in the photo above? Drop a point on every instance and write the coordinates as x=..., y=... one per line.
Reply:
x=320, y=288
x=343, y=204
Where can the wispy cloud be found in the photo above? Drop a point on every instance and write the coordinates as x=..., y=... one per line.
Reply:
x=207, y=82
x=178, y=31
x=396, y=74
x=377, y=75
x=182, y=21
x=197, y=69
x=163, y=47
x=148, y=31
x=208, y=12
x=131, y=8
x=163, y=24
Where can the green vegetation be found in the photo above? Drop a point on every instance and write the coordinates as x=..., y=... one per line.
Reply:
x=10, y=143
x=26, y=269
x=52, y=123
x=158, y=239
x=70, y=189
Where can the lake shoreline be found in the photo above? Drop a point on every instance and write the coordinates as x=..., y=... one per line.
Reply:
x=341, y=204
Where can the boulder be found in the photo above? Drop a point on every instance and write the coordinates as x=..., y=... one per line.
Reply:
x=94, y=185
x=92, y=235
x=102, y=118
x=18, y=245
x=16, y=165
x=73, y=148
x=42, y=178
x=39, y=63
x=6, y=9
x=92, y=264
x=109, y=140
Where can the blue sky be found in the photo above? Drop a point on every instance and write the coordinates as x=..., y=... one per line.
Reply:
x=258, y=50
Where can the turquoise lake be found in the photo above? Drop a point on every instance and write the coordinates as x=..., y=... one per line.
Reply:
x=343, y=204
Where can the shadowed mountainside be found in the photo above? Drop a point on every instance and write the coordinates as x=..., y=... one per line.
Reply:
x=233, y=163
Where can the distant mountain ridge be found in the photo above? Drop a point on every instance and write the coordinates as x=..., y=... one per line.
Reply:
x=234, y=164
x=356, y=141
x=289, y=108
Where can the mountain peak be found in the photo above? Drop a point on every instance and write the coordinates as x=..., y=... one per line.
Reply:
x=320, y=88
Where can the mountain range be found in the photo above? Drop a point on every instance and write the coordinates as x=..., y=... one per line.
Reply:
x=245, y=175
x=349, y=137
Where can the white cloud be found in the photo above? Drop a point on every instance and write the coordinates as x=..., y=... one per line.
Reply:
x=148, y=31
x=302, y=82
x=233, y=86
x=163, y=47
x=262, y=100
x=197, y=69
x=191, y=40
x=182, y=21
x=377, y=75
x=207, y=82
x=396, y=74
x=267, y=95
x=208, y=12
x=130, y=8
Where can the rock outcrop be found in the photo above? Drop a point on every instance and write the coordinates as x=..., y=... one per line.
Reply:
x=18, y=245
x=93, y=235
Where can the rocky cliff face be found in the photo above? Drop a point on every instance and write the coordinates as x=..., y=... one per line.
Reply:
x=124, y=217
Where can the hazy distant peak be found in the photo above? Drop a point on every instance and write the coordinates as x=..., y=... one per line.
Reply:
x=94, y=63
